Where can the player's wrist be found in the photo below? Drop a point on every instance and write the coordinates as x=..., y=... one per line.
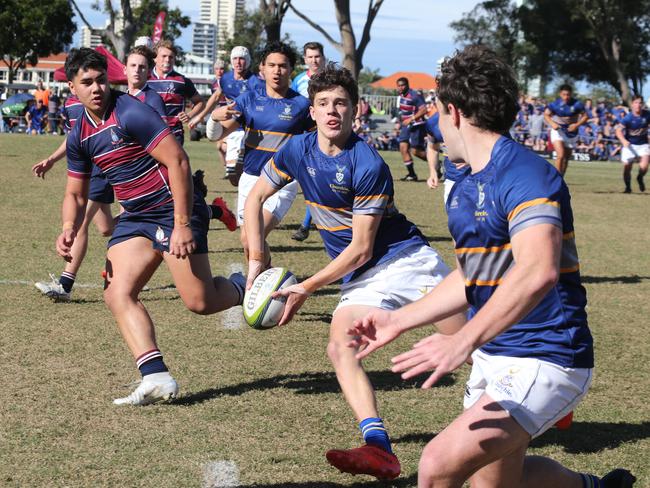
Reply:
x=255, y=255
x=68, y=225
x=181, y=220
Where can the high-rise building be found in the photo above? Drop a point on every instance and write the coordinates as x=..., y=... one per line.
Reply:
x=221, y=14
x=204, y=40
x=88, y=39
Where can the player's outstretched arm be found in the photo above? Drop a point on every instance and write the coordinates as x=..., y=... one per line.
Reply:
x=73, y=211
x=170, y=154
x=209, y=105
x=256, y=247
x=39, y=169
x=536, y=251
x=380, y=327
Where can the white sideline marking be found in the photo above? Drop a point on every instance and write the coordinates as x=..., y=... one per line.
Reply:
x=220, y=474
x=83, y=285
x=233, y=319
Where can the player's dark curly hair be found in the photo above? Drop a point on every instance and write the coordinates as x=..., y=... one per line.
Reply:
x=330, y=77
x=84, y=59
x=279, y=47
x=481, y=86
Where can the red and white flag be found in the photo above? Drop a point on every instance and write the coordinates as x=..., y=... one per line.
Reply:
x=158, y=26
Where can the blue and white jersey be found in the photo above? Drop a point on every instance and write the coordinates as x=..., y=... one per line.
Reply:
x=270, y=123
x=356, y=181
x=300, y=83
x=120, y=146
x=452, y=172
x=636, y=127
x=232, y=88
x=516, y=190
x=566, y=114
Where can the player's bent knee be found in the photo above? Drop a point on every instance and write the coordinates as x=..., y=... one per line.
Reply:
x=198, y=306
x=435, y=467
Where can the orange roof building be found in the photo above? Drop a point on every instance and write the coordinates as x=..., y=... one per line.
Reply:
x=417, y=81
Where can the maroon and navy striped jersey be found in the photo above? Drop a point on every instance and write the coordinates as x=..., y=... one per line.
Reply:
x=120, y=146
x=72, y=110
x=409, y=105
x=147, y=95
x=175, y=89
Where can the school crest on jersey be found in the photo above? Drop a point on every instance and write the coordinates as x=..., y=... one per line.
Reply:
x=481, y=195
x=115, y=139
x=311, y=171
x=340, y=173
x=286, y=113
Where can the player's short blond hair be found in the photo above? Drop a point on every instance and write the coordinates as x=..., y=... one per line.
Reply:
x=166, y=43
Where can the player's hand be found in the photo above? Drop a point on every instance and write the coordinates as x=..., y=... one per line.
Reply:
x=255, y=267
x=183, y=117
x=626, y=144
x=296, y=296
x=39, y=169
x=441, y=353
x=432, y=181
x=181, y=243
x=226, y=112
x=194, y=122
x=375, y=330
x=64, y=244
x=572, y=128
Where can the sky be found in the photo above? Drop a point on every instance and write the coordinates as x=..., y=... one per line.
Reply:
x=407, y=35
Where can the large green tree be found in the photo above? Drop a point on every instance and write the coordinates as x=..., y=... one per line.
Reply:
x=125, y=24
x=599, y=41
x=30, y=29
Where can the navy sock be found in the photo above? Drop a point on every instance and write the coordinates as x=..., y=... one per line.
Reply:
x=151, y=362
x=409, y=167
x=375, y=433
x=590, y=481
x=67, y=281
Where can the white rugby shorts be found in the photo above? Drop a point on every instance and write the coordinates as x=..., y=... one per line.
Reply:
x=278, y=204
x=535, y=393
x=234, y=145
x=634, y=151
x=569, y=142
x=407, y=277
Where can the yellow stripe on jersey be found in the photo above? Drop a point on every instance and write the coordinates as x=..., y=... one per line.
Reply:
x=532, y=203
x=281, y=173
x=482, y=250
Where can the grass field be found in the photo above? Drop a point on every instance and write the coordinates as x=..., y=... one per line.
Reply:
x=268, y=402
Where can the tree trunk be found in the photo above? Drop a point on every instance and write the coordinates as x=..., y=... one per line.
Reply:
x=348, y=41
x=272, y=28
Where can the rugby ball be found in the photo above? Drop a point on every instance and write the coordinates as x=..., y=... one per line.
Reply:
x=260, y=310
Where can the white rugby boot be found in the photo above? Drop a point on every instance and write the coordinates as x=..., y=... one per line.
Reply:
x=154, y=388
x=53, y=289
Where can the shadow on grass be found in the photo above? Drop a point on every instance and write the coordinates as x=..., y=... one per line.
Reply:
x=581, y=438
x=398, y=483
x=593, y=437
x=632, y=279
x=324, y=318
x=309, y=383
x=619, y=192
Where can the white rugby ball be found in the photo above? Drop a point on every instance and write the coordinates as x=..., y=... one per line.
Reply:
x=260, y=310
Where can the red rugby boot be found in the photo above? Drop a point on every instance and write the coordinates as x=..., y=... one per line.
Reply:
x=565, y=422
x=227, y=217
x=367, y=459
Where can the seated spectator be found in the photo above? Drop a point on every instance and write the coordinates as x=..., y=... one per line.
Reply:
x=383, y=141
